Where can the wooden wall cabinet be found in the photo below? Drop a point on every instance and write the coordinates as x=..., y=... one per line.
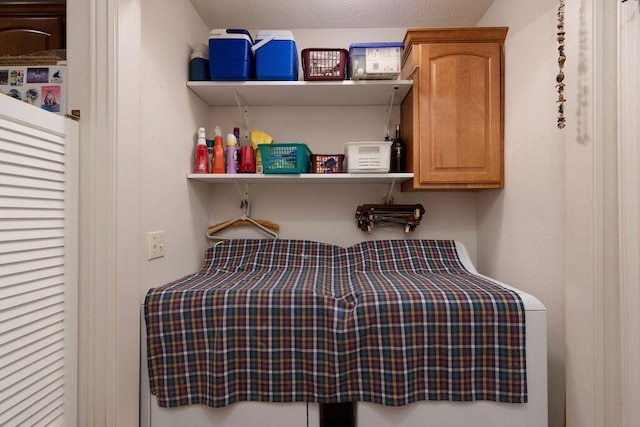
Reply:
x=32, y=26
x=453, y=117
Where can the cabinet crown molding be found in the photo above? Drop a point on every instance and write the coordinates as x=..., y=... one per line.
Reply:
x=456, y=35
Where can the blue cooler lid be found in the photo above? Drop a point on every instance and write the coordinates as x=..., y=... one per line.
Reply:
x=265, y=36
x=274, y=35
x=231, y=33
x=375, y=44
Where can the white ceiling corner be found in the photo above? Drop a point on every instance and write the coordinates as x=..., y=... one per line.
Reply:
x=306, y=14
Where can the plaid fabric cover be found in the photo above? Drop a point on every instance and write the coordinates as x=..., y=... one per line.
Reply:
x=390, y=322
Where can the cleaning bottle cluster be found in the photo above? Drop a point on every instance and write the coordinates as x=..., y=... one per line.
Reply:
x=213, y=156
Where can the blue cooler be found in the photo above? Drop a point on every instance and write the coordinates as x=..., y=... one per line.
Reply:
x=276, y=55
x=199, y=68
x=230, y=54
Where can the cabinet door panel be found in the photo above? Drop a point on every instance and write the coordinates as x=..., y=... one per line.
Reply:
x=461, y=114
x=20, y=36
x=458, y=110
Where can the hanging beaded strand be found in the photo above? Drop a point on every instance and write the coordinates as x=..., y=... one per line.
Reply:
x=561, y=58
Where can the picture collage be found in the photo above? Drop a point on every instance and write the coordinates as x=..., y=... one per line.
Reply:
x=42, y=86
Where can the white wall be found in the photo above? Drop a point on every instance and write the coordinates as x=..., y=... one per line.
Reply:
x=169, y=118
x=521, y=228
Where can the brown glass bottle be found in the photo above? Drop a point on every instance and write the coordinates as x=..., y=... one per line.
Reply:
x=398, y=153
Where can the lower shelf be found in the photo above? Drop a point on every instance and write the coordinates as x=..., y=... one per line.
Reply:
x=305, y=178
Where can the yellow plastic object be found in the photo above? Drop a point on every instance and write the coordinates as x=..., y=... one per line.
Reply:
x=260, y=137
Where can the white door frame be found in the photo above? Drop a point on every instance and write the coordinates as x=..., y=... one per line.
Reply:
x=111, y=291
x=629, y=207
x=591, y=311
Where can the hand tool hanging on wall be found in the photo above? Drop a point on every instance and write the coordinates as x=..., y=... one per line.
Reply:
x=408, y=216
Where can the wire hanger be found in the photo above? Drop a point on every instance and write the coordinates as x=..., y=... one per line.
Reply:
x=267, y=227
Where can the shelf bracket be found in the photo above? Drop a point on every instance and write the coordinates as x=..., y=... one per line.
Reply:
x=388, y=195
x=392, y=98
x=245, y=196
x=243, y=106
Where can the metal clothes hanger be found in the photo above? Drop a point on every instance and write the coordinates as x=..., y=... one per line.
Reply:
x=267, y=227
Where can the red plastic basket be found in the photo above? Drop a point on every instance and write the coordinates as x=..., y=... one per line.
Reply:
x=327, y=163
x=324, y=64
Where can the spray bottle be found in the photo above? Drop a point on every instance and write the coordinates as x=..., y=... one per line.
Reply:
x=210, y=154
x=201, y=163
x=218, y=152
x=232, y=154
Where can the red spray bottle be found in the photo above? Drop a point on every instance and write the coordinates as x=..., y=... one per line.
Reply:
x=202, y=161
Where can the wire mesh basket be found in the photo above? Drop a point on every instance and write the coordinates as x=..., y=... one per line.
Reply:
x=324, y=64
x=285, y=157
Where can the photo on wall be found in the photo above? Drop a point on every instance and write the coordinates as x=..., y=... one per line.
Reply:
x=38, y=75
x=51, y=98
x=41, y=86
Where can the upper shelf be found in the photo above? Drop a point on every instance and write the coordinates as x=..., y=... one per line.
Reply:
x=323, y=93
x=305, y=178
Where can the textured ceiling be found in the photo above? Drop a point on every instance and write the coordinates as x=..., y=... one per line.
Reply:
x=299, y=14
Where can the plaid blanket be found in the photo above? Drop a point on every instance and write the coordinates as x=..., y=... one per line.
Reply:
x=390, y=322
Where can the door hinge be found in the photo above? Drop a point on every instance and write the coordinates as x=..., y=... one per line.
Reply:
x=75, y=115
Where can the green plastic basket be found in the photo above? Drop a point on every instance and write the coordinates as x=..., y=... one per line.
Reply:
x=285, y=157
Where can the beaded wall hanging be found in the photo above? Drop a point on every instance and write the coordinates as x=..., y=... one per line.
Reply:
x=561, y=58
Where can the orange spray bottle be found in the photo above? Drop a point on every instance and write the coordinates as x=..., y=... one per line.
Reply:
x=218, y=152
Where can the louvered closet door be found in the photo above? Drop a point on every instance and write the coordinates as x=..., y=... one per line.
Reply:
x=38, y=266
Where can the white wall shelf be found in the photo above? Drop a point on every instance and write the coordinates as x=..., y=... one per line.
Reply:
x=323, y=93
x=305, y=178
